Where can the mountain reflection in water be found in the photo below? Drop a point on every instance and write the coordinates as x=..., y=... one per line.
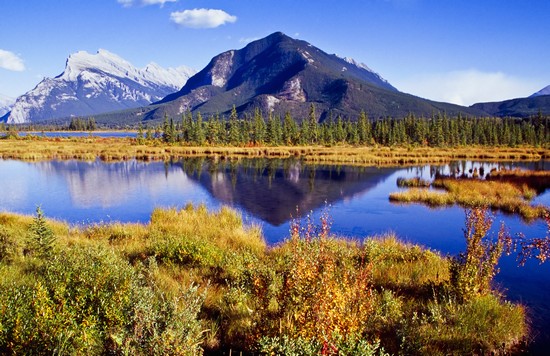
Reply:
x=268, y=192
x=272, y=190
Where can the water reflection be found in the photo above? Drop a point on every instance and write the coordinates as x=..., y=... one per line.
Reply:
x=268, y=192
x=97, y=184
x=272, y=190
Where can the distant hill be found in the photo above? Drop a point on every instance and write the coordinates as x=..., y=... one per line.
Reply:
x=543, y=91
x=522, y=107
x=93, y=84
x=280, y=74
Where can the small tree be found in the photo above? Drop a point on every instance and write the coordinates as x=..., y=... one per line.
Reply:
x=140, y=137
x=473, y=270
x=41, y=236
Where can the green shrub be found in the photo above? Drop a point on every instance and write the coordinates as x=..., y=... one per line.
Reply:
x=89, y=301
x=8, y=245
x=303, y=347
x=473, y=271
x=483, y=325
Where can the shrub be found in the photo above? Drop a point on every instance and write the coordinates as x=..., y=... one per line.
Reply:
x=473, y=270
x=8, y=245
x=312, y=291
x=90, y=301
x=483, y=325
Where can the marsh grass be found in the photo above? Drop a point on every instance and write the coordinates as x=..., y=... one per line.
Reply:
x=194, y=280
x=116, y=149
x=508, y=191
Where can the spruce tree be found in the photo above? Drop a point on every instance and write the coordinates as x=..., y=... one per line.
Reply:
x=234, y=134
x=41, y=237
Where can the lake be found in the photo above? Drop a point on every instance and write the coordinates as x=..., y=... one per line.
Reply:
x=269, y=193
x=67, y=134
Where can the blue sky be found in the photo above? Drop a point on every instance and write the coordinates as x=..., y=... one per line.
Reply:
x=457, y=51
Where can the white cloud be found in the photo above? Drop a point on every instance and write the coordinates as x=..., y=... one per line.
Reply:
x=202, y=18
x=128, y=3
x=10, y=61
x=467, y=87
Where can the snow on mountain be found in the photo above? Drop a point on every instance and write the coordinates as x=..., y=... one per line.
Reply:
x=543, y=91
x=5, y=104
x=360, y=66
x=97, y=83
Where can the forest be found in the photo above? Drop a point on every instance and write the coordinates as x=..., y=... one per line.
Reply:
x=439, y=130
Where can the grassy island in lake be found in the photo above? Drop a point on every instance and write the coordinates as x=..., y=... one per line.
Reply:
x=507, y=190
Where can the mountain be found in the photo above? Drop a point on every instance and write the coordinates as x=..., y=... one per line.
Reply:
x=521, y=107
x=96, y=83
x=280, y=74
x=543, y=91
x=5, y=104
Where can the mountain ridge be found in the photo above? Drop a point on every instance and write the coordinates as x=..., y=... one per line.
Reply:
x=276, y=74
x=6, y=104
x=93, y=84
x=543, y=91
x=280, y=74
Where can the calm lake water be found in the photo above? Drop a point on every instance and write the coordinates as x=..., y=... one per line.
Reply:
x=268, y=193
x=103, y=134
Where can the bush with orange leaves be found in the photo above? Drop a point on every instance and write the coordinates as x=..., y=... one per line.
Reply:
x=324, y=293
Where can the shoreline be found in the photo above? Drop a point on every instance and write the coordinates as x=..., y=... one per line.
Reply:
x=121, y=149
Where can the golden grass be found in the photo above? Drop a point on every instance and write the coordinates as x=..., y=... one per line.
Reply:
x=115, y=149
x=511, y=193
x=234, y=265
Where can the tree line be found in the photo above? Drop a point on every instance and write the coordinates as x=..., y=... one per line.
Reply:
x=439, y=130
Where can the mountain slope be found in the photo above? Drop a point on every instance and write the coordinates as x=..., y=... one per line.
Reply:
x=92, y=84
x=543, y=91
x=5, y=104
x=521, y=107
x=281, y=74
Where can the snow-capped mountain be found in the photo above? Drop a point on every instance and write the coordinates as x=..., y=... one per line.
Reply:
x=5, y=104
x=96, y=83
x=543, y=91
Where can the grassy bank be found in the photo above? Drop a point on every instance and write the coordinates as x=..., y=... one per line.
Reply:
x=114, y=149
x=194, y=281
x=510, y=191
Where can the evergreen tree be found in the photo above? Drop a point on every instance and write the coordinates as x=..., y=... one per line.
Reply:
x=234, y=132
x=139, y=137
x=199, y=136
x=41, y=237
x=148, y=134
x=313, y=125
x=364, y=129
x=290, y=130
x=259, y=127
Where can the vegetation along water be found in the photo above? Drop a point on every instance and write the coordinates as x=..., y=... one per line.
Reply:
x=190, y=280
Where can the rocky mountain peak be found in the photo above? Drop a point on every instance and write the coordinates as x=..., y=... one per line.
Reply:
x=96, y=83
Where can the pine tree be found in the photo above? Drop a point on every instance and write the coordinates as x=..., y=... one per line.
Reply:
x=234, y=132
x=313, y=125
x=198, y=130
x=259, y=127
x=364, y=129
x=139, y=137
x=41, y=237
x=290, y=130
x=148, y=134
